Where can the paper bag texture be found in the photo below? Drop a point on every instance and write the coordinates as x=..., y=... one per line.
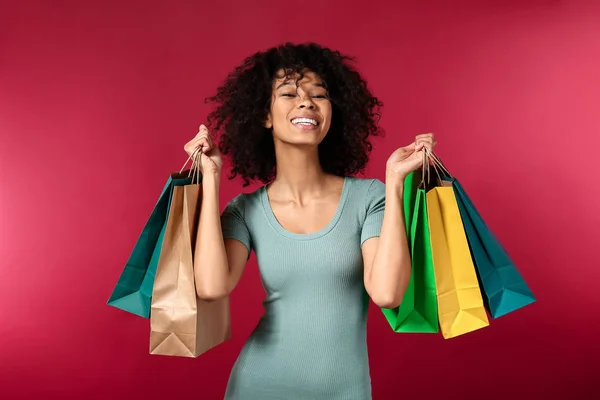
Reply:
x=460, y=303
x=181, y=323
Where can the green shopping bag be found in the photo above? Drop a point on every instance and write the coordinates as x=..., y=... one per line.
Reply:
x=133, y=291
x=418, y=311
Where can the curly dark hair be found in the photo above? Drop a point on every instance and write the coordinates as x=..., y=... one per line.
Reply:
x=244, y=101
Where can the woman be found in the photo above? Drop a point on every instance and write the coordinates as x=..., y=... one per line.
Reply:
x=297, y=118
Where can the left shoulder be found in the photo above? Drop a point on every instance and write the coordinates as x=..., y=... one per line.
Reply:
x=368, y=193
x=366, y=184
x=369, y=200
x=367, y=187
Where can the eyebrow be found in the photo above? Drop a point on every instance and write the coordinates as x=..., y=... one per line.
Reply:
x=290, y=82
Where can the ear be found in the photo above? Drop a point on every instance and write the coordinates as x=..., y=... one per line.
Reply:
x=269, y=122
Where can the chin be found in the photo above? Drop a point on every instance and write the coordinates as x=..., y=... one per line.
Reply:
x=302, y=139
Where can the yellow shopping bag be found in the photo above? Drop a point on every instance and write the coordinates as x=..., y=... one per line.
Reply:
x=460, y=303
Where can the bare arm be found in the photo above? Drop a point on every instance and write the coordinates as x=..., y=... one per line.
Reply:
x=219, y=263
x=387, y=262
x=387, y=259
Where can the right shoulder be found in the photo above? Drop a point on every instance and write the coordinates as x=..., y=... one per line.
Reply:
x=244, y=202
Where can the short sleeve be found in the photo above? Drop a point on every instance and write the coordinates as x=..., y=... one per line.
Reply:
x=233, y=222
x=375, y=206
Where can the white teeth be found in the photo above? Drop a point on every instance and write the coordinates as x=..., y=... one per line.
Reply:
x=304, y=121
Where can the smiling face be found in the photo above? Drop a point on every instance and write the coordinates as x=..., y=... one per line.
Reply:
x=300, y=110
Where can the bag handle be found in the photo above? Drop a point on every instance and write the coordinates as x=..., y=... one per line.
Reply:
x=437, y=162
x=195, y=167
x=432, y=161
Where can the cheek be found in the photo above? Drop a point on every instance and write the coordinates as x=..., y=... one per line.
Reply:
x=279, y=112
x=326, y=110
x=328, y=115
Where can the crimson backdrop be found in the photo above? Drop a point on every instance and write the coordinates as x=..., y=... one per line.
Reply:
x=97, y=99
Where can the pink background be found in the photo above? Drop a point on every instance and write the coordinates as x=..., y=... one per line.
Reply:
x=97, y=99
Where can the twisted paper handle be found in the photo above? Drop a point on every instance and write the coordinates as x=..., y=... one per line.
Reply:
x=195, y=167
x=431, y=160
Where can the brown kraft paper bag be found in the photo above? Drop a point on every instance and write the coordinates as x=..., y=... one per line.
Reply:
x=181, y=324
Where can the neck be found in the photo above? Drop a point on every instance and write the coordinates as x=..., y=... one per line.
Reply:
x=299, y=171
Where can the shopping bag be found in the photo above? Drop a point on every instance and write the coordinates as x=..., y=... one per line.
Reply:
x=181, y=324
x=460, y=303
x=418, y=311
x=133, y=290
x=504, y=287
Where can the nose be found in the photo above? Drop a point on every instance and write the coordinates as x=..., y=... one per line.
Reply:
x=306, y=102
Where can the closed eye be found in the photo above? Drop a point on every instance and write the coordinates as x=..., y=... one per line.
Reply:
x=320, y=96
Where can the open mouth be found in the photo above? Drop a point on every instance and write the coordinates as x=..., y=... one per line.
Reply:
x=305, y=122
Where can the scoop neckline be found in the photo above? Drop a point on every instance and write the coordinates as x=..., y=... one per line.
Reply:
x=274, y=222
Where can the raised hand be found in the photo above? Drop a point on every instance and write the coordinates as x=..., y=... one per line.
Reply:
x=210, y=156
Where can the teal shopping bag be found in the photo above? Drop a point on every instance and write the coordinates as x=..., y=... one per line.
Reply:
x=504, y=286
x=133, y=291
x=418, y=312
